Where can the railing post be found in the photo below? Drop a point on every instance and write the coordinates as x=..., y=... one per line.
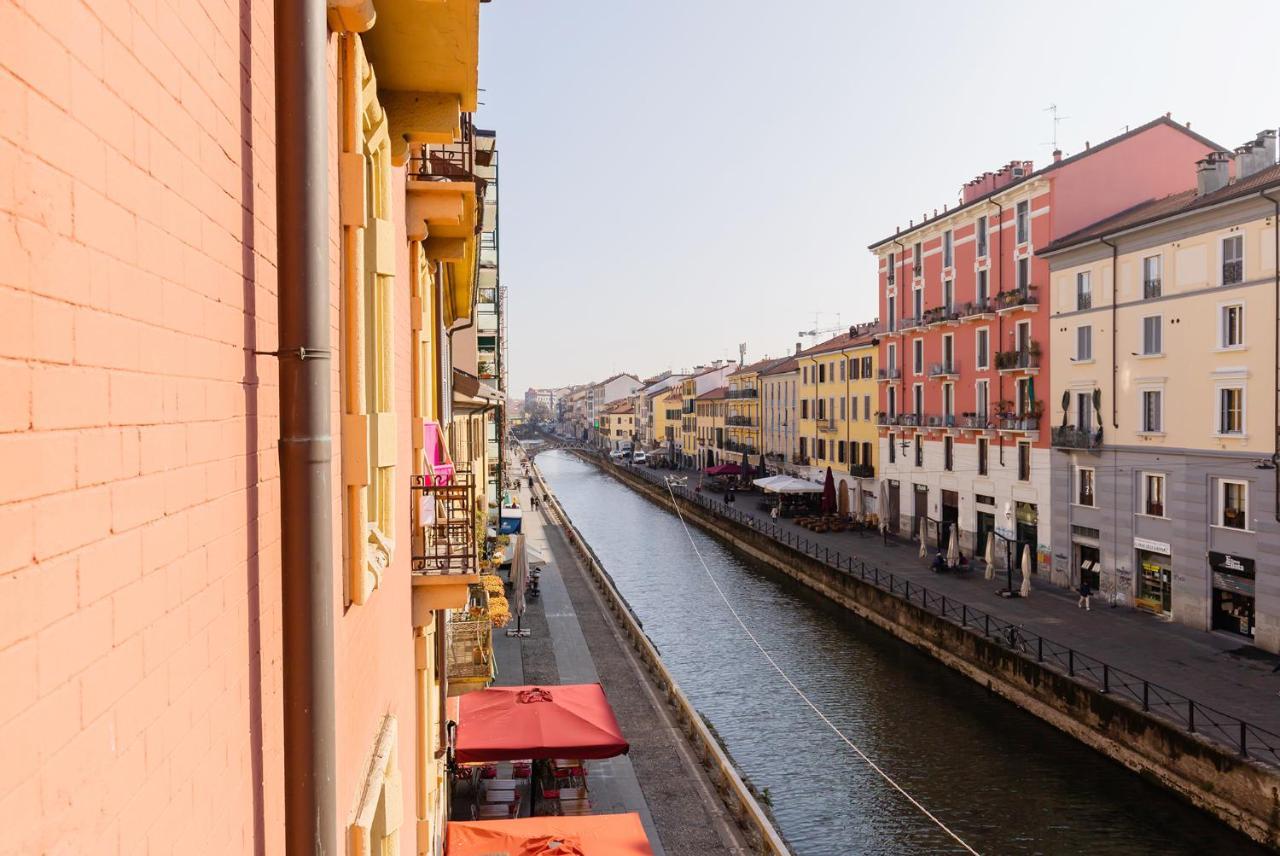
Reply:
x=986, y=625
x=1039, y=649
x=890, y=583
x=1191, y=716
x=1146, y=698
x=1071, y=662
x=924, y=598
x=964, y=615
x=1106, y=678
x=944, y=606
x=1244, y=753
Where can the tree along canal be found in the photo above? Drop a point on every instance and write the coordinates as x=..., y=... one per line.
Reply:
x=1004, y=781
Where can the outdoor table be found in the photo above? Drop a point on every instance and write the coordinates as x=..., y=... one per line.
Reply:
x=508, y=784
x=575, y=806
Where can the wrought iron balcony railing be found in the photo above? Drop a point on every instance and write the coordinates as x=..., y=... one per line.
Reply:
x=1017, y=299
x=944, y=369
x=1071, y=437
x=743, y=393
x=891, y=373
x=446, y=542
x=1017, y=360
x=826, y=425
x=862, y=471
x=1151, y=288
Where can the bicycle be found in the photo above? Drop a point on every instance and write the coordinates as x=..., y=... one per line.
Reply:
x=1014, y=639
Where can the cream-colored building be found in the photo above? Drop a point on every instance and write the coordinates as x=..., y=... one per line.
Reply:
x=779, y=414
x=1164, y=401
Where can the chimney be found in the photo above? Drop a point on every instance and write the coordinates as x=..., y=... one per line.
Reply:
x=1057, y=155
x=797, y=347
x=1212, y=173
x=1257, y=154
x=853, y=330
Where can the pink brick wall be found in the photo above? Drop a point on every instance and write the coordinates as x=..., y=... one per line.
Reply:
x=139, y=502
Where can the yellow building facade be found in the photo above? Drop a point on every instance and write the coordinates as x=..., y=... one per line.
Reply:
x=1163, y=397
x=742, y=417
x=666, y=414
x=837, y=426
x=709, y=426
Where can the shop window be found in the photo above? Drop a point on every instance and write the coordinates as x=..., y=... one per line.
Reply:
x=1233, y=504
x=1153, y=494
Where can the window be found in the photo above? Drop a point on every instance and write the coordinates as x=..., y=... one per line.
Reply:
x=804, y=408
x=917, y=304
x=1151, y=277
x=822, y=448
x=893, y=357
x=1153, y=494
x=821, y=409
x=866, y=367
x=984, y=448
x=1233, y=260
x=853, y=369
x=891, y=267
x=947, y=248
x=948, y=401
x=1084, y=486
x=1024, y=274
x=948, y=296
x=1233, y=504
x=805, y=373
x=853, y=408
x=1152, y=411
x=948, y=454
x=893, y=401
x=1232, y=327
x=982, y=288
x=1084, y=290
x=917, y=260
x=1023, y=221
x=919, y=451
x=866, y=407
x=1084, y=410
x=1084, y=343
x=948, y=352
x=822, y=373
x=893, y=450
x=1024, y=462
x=1151, y=335
x=842, y=405
x=1231, y=410
x=840, y=452
x=917, y=356
x=893, y=319
x=981, y=401
x=804, y=448
x=917, y=396
x=980, y=237
x=842, y=370
x=982, y=348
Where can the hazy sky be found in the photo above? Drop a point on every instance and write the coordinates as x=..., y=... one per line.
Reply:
x=679, y=176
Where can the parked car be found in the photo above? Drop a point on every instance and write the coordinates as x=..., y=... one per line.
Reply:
x=639, y=458
x=617, y=455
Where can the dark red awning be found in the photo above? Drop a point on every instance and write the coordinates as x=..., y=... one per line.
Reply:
x=566, y=721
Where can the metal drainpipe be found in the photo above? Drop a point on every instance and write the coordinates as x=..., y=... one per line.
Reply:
x=1275, y=448
x=306, y=502
x=1115, y=365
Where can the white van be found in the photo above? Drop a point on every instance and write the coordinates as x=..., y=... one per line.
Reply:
x=639, y=457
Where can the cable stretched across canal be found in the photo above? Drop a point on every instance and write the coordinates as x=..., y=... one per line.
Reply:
x=872, y=764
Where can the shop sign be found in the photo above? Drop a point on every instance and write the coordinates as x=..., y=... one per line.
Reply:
x=1236, y=566
x=1152, y=546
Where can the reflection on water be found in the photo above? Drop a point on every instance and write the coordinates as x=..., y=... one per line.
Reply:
x=1006, y=782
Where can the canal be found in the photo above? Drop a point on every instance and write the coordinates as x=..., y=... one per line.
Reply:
x=1003, y=780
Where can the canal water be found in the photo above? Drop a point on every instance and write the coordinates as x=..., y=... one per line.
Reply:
x=1004, y=781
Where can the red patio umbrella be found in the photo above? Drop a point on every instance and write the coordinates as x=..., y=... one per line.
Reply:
x=561, y=721
x=829, y=493
x=724, y=470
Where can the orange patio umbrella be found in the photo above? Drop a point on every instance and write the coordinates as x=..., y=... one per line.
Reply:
x=560, y=721
x=585, y=835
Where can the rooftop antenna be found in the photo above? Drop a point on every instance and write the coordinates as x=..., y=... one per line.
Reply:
x=742, y=353
x=1053, y=109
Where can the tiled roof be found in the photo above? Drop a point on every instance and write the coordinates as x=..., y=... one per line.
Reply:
x=840, y=342
x=1154, y=210
x=756, y=367
x=782, y=366
x=714, y=394
x=1162, y=120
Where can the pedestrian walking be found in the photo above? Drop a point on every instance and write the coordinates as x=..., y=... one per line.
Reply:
x=774, y=512
x=1086, y=592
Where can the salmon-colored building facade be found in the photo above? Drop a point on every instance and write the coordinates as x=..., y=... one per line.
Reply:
x=141, y=606
x=964, y=441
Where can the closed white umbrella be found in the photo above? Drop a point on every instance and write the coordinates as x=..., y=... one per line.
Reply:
x=1026, y=571
x=883, y=511
x=857, y=501
x=519, y=579
x=990, y=555
x=924, y=536
x=953, y=547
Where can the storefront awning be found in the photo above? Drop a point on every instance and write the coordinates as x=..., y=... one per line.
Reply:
x=563, y=721
x=787, y=484
x=589, y=835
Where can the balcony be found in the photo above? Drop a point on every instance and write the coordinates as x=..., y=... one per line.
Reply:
x=974, y=422
x=445, y=558
x=1151, y=288
x=1013, y=424
x=862, y=471
x=904, y=420
x=1071, y=437
x=740, y=421
x=947, y=368
x=826, y=426
x=1018, y=299
x=1024, y=360
x=940, y=421
x=740, y=448
x=891, y=373
x=909, y=323
x=978, y=309
x=743, y=393
x=470, y=663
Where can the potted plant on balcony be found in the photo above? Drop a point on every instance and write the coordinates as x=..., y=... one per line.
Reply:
x=1034, y=350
